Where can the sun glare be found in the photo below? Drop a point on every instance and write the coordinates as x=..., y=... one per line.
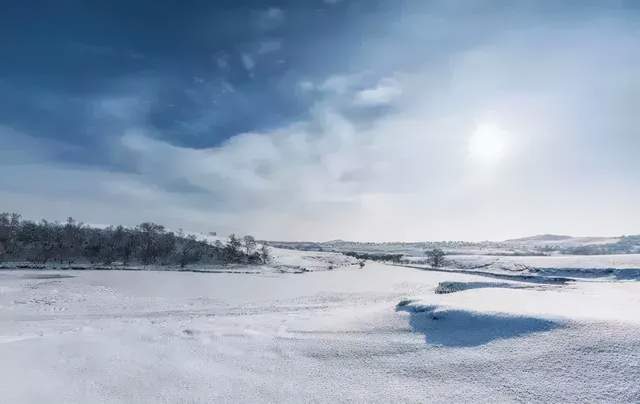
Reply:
x=487, y=144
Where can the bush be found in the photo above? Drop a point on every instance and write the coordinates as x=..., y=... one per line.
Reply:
x=435, y=257
x=148, y=243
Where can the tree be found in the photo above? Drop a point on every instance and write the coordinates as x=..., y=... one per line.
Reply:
x=9, y=227
x=249, y=244
x=92, y=246
x=70, y=241
x=232, y=252
x=189, y=250
x=125, y=244
x=148, y=243
x=111, y=241
x=166, y=245
x=149, y=234
x=436, y=257
x=265, y=254
x=41, y=239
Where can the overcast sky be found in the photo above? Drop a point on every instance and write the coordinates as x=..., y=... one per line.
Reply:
x=325, y=119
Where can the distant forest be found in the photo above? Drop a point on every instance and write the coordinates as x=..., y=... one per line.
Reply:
x=73, y=242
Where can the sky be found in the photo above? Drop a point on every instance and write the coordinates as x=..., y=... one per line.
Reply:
x=325, y=119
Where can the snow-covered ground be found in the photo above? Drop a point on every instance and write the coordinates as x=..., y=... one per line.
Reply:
x=611, y=261
x=550, y=240
x=378, y=334
x=291, y=260
x=617, y=267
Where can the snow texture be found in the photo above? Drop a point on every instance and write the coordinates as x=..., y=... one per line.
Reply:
x=379, y=334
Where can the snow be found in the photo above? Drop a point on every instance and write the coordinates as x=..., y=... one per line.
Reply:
x=309, y=260
x=617, y=267
x=377, y=334
x=589, y=301
x=617, y=261
x=546, y=240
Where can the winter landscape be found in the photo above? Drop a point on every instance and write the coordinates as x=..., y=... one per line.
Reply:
x=305, y=326
x=320, y=201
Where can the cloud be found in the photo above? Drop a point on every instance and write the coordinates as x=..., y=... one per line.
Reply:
x=345, y=169
x=306, y=85
x=222, y=61
x=271, y=18
x=384, y=93
x=406, y=174
x=269, y=46
x=339, y=84
x=248, y=62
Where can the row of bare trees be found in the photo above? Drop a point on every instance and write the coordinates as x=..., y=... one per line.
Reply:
x=147, y=244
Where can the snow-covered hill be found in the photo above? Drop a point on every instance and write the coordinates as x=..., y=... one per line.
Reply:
x=546, y=244
x=552, y=240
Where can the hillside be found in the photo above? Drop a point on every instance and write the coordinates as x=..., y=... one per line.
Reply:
x=547, y=244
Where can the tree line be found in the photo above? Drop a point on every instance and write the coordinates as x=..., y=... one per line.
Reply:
x=374, y=256
x=148, y=243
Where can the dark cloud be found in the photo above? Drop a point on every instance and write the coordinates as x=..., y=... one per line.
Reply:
x=204, y=71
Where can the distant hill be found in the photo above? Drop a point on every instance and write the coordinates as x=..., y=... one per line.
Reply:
x=543, y=244
x=555, y=241
x=540, y=237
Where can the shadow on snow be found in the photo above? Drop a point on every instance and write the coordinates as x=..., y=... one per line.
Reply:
x=461, y=328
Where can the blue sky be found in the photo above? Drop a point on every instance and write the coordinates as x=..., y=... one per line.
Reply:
x=322, y=119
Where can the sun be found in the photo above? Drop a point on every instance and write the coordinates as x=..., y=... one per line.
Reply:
x=487, y=144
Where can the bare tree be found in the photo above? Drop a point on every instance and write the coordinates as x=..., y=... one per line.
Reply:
x=189, y=250
x=70, y=241
x=40, y=239
x=232, y=252
x=265, y=254
x=149, y=242
x=436, y=257
x=92, y=246
x=249, y=244
x=165, y=247
x=124, y=243
x=108, y=246
x=9, y=227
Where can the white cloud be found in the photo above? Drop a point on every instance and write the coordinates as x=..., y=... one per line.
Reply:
x=338, y=84
x=306, y=85
x=384, y=93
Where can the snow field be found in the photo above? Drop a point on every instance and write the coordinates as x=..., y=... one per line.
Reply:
x=326, y=336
